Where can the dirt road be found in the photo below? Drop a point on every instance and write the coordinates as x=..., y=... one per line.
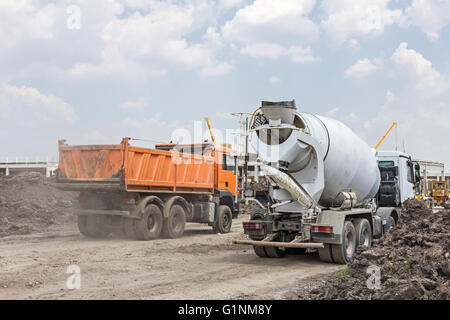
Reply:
x=200, y=265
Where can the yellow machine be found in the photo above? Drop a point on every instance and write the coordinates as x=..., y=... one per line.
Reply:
x=439, y=192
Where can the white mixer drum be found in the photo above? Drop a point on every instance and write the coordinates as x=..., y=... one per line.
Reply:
x=350, y=164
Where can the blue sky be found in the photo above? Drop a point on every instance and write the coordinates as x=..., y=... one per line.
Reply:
x=145, y=68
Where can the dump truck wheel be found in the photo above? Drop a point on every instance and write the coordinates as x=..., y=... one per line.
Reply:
x=224, y=220
x=175, y=223
x=344, y=253
x=363, y=232
x=82, y=226
x=325, y=253
x=150, y=225
x=275, y=252
x=260, y=252
x=447, y=205
x=97, y=226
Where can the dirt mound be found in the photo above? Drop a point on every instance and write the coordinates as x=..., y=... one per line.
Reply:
x=413, y=260
x=29, y=203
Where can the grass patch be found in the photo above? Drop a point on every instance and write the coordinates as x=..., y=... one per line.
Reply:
x=342, y=273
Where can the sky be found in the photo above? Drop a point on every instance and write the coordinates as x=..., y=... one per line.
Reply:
x=93, y=72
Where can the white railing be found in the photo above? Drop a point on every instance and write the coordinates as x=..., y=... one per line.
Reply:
x=28, y=160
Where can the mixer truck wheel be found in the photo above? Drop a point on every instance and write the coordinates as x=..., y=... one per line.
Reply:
x=260, y=252
x=175, y=223
x=150, y=225
x=343, y=253
x=224, y=220
x=97, y=226
x=82, y=226
x=275, y=252
x=363, y=232
x=325, y=253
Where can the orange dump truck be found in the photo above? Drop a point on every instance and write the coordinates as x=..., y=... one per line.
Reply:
x=143, y=193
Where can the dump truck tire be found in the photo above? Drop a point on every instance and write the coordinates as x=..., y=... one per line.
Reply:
x=224, y=220
x=363, y=232
x=149, y=226
x=82, y=226
x=175, y=223
x=447, y=205
x=96, y=226
x=344, y=253
x=260, y=252
x=325, y=253
x=275, y=252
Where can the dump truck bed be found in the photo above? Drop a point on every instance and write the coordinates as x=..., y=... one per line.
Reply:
x=133, y=169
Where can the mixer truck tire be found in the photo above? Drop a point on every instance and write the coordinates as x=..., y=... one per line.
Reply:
x=97, y=226
x=175, y=223
x=260, y=251
x=325, y=253
x=82, y=225
x=275, y=252
x=258, y=214
x=343, y=253
x=363, y=232
x=224, y=220
x=149, y=226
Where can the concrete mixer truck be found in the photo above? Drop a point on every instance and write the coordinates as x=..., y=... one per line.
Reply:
x=328, y=190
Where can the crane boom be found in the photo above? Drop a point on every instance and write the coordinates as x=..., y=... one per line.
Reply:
x=210, y=130
x=384, y=137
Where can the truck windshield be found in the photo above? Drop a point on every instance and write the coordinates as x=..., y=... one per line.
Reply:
x=386, y=163
x=228, y=163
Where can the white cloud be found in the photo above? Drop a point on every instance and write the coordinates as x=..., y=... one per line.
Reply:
x=153, y=42
x=273, y=50
x=22, y=21
x=140, y=103
x=420, y=70
x=273, y=29
x=28, y=107
x=274, y=80
x=332, y=113
x=431, y=16
x=362, y=68
x=346, y=19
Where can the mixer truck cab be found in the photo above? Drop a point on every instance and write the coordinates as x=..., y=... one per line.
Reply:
x=324, y=185
x=144, y=193
x=399, y=180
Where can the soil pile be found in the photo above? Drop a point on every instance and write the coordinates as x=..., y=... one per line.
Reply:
x=413, y=261
x=29, y=203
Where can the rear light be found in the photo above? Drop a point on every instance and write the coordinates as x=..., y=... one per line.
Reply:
x=252, y=225
x=128, y=201
x=78, y=200
x=322, y=229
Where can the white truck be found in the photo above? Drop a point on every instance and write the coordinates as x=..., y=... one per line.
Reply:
x=328, y=190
